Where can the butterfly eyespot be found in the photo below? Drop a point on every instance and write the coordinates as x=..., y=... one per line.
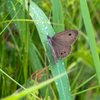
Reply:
x=61, y=53
x=69, y=34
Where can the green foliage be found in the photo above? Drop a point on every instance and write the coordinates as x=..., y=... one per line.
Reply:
x=23, y=46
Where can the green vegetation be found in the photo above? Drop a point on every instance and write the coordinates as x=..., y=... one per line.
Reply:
x=23, y=46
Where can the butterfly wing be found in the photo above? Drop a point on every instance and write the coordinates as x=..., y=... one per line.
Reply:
x=68, y=36
x=53, y=50
x=61, y=51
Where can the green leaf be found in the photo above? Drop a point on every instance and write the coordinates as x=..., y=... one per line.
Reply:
x=57, y=16
x=91, y=36
x=16, y=96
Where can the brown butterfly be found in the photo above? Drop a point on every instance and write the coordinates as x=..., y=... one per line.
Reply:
x=61, y=43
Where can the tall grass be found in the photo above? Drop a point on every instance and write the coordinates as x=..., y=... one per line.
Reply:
x=23, y=47
x=91, y=36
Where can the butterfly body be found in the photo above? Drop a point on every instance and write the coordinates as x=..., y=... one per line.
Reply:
x=61, y=43
x=53, y=51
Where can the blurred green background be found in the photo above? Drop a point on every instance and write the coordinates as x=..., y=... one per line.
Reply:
x=20, y=64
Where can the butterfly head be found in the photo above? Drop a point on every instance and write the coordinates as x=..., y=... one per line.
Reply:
x=48, y=37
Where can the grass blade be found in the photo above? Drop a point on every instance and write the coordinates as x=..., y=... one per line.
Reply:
x=57, y=16
x=91, y=37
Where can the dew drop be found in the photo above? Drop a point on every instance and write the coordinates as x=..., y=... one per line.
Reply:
x=42, y=22
x=46, y=27
x=63, y=63
x=48, y=22
x=47, y=33
x=33, y=8
x=56, y=83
